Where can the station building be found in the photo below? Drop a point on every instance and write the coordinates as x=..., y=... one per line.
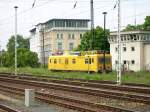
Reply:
x=135, y=50
x=56, y=36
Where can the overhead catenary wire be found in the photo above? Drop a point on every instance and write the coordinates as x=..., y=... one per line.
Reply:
x=78, y=13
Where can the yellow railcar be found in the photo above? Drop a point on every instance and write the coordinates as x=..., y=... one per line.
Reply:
x=88, y=62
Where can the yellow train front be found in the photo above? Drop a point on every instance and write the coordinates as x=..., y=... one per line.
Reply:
x=93, y=62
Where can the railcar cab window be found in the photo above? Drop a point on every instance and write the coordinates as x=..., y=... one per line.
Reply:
x=73, y=61
x=88, y=61
x=107, y=60
x=59, y=61
x=50, y=60
x=55, y=61
x=66, y=61
x=92, y=60
x=101, y=60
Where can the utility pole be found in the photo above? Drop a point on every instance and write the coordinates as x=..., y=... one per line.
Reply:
x=92, y=25
x=16, y=39
x=43, y=48
x=119, y=45
x=104, y=37
x=42, y=44
x=0, y=55
x=135, y=12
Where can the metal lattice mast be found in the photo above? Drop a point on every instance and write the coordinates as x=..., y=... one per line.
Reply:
x=92, y=24
x=16, y=39
x=119, y=45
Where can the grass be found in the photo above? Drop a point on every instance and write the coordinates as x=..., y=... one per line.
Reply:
x=134, y=77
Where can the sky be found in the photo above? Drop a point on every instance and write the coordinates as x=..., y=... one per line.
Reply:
x=44, y=10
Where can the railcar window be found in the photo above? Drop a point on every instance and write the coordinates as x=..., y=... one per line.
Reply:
x=73, y=61
x=50, y=61
x=59, y=61
x=92, y=60
x=55, y=61
x=101, y=60
x=66, y=61
x=88, y=61
x=107, y=60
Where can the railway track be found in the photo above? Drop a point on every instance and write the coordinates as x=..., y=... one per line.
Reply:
x=5, y=108
x=68, y=102
x=83, y=90
x=92, y=91
x=137, y=88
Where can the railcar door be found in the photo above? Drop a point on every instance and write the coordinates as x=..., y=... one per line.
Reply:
x=101, y=63
x=66, y=63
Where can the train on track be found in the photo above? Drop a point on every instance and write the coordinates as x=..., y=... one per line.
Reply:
x=91, y=61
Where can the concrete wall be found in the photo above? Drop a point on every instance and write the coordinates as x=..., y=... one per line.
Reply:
x=147, y=56
x=127, y=55
x=35, y=44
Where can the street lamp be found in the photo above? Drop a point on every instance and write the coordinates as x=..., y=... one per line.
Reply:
x=16, y=39
x=119, y=45
x=104, y=37
x=43, y=49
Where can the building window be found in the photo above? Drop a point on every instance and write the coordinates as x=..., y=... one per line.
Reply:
x=57, y=36
x=132, y=62
x=59, y=46
x=61, y=36
x=73, y=36
x=69, y=36
x=116, y=49
x=81, y=35
x=116, y=62
x=124, y=49
x=124, y=62
x=70, y=46
x=132, y=49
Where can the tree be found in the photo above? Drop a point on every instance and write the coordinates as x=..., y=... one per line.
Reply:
x=21, y=43
x=24, y=56
x=130, y=27
x=99, y=40
x=146, y=24
x=27, y=58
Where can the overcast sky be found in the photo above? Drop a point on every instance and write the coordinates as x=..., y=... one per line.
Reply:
x=48, y=9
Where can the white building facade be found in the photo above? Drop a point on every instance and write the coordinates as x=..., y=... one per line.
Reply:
x=135, y=50
x=57, y=36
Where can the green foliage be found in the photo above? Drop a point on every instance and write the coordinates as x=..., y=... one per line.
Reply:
x=27, y=58
x=131, y=77
x=130, y=27
x=144, y=26
x=24, y=56
x=21, y=43
x=99, y=40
